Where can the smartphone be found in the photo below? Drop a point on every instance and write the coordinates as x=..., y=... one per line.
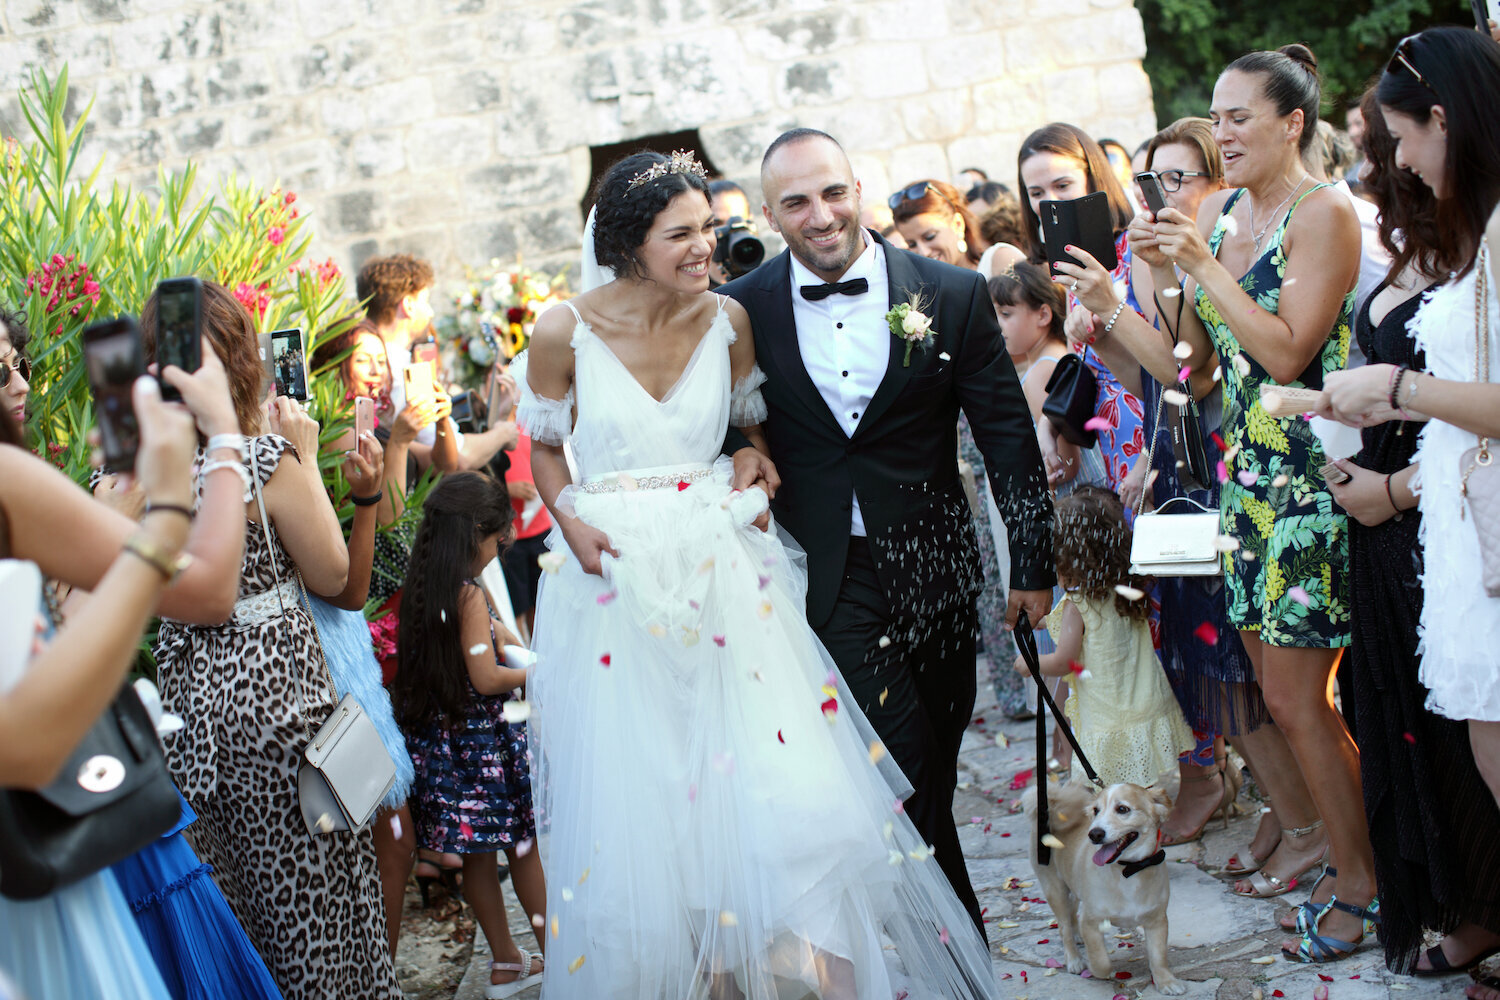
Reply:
x=1151, y=190
x=420, y=387
x=179, y=327
x=21, y=583
x=1084, y=223
x=1484, y=12
x=463, y=412
x=289, y=364
x=364, y=417
x=427, y=352
x=114, y=358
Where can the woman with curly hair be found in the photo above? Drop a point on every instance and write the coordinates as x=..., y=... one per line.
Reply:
x=1123, y=713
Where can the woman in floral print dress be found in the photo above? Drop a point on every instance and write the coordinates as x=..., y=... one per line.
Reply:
x=1272, y=268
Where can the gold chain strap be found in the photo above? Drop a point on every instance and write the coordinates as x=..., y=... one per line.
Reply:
x=1481, y=351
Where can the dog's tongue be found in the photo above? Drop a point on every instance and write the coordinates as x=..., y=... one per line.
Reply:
x=1107, y=854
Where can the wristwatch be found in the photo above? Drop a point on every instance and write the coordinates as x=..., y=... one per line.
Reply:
x=168, y=565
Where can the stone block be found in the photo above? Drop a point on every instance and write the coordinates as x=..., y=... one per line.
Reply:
x=126, y=151
x=813, y=81
x=737, y=149
x=882, y=71
x=252, y=25
x=433, y=245
x=550, y=230
x=1072, y=95
x=449, y=43
x=599, y=22
x=114, y=106
x=196, y=135
x=356, y=212
x=875, y=182
x=230, y=81
x=938, y=116
x=26, y=17
x=168, y=90
x=102, y=11
x=475, y=90
x=1125, y=87
x=479, y=241
x=341, y=113
x=995, y=153
x=85, y=50
x=275, y=122
x=434, y=200
x=859, y=126
x=378, y=154
x=507, y=39
x=828, y=30
x=1029, y=49
x=517, y=184
x=965, y=60
x=904, y=20
x=449, y=142
x=400, y=102
x=1052, y=10
x=366, y=60
x=311, y=165
x=1015, y=105
x=912, y=163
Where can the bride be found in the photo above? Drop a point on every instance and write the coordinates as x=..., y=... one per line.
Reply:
x=720, y=821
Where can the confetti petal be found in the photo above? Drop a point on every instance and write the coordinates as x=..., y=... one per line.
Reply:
x=516, y=711
x=1227, y=543
x=1182, y=350
x=1241, y=365
x=945, y=356
x=883, y=641
x=719, y=641
x=325, y=824
x=1075, y=666
x=1408, y=737
x=1097, y=424
x=1207, y=634
x=538, y=921
x=1002, y=741
x=567, y=895
x=1263, y=960
x=728, y=919
x=554, y=925
x=1174, y=397
x=1299, y=595
x=465, y=831
x=943, y=935
x=692, y=793
x=1246, y=477
x=883, y=693
x=779, y=738
x=524, y=847
x=1128, y=592
x=764, y=610
x=1183, y=373
x=575, y=965
x=396, y=826
x=605, y=598
x=605, y=659
x=877, y=751
x=1052, y=842
x=830, y=709
x=1171, y=293
x=477, y=648
x=1280, y=481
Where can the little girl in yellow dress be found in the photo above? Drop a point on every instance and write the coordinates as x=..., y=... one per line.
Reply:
x=1121, y=706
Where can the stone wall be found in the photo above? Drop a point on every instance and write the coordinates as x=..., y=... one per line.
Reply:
x=460, y=129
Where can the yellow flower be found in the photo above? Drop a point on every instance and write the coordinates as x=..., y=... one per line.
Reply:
x=1326, y=572
x=1261, y=514
x=1263, y=429
x=1275, y=582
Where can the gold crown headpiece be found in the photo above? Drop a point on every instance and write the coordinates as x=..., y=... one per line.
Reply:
x=680, y=162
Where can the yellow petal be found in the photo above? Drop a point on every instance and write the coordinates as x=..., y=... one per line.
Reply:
x=575, y=965
x=877, y=751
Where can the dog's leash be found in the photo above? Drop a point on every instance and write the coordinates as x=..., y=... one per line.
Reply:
x=1026, y=643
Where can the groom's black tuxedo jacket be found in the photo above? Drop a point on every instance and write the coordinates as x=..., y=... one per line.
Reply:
x=903, y=458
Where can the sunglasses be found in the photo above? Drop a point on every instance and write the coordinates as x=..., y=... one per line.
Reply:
x=19, y=364
x=912, y=193
x=1171, y=180
x=1400, y=58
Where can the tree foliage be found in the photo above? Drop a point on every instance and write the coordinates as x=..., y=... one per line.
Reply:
x=1188, y=42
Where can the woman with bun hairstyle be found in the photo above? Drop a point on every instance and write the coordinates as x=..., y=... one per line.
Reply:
x=1271, y=272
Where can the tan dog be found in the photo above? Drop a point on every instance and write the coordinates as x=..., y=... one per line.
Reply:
x=1108, y=868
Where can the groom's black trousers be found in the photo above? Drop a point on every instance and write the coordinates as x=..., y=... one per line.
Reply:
x=926, y=675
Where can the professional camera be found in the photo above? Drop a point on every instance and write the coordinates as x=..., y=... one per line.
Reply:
x=740, y=251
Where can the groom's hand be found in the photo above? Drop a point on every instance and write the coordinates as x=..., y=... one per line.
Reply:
x=1035, y=602
x=754, y=468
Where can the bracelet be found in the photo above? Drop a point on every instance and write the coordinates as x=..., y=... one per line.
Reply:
x=1395, y=386
x=1415, y=375
x=238, y=468
x=1390, y=496
x=234, y=442
x=169, y=565
x=367, y=501
x=1114, y=316
x=174, y=508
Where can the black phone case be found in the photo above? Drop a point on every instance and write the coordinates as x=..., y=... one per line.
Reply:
x=1083, y=222
x=192, y=352
x=119, y=431
x=1152, y=192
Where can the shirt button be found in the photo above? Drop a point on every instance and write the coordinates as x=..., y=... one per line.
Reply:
x=839, y=326
x=854, y=415
x=845, y=374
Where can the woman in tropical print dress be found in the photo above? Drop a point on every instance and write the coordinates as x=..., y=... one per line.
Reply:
x=1272, y=268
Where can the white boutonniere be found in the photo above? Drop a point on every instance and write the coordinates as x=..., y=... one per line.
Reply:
x=909, y=323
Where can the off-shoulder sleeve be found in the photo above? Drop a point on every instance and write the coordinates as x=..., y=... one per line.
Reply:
x=545, y=421
x=746, y=404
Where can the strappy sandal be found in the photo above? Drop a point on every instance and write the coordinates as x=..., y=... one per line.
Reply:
x=499, y=991
x=1316, y=949
x=1442, y=967
x=1308, y=911
x=1264, y=886
x=1232, y=869
x=1229, y=791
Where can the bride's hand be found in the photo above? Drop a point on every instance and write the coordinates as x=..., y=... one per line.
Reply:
x=588, y=544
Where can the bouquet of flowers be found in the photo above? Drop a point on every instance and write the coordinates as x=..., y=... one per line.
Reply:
x=494, y=311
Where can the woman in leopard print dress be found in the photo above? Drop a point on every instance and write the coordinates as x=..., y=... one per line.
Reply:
x=250, y=693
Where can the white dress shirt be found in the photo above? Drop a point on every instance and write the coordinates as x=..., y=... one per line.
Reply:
x=845, y=342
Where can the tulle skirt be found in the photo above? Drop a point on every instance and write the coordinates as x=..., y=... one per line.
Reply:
x=80, y=941
x=201, y=950
x=716, y=804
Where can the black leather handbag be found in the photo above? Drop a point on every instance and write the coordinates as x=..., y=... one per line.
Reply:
x=1072, y=393
x=1188, y=449
x=112, y=798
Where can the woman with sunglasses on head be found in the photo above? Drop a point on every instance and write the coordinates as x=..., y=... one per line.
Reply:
x=1271, y=272
x=1436, y=98
x=15, y=370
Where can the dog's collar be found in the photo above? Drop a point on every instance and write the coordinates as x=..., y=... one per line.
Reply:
x=1136, y=867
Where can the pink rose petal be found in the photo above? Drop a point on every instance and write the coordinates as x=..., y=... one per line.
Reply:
x=1097, y=424
x=1299, y=595
x=1246, y=477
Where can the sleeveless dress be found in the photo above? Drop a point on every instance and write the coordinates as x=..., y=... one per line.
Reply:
x=716, y=802
x=1289, y=581
x=473, y=785
x=1124, y=440
x=1122, y=710
x=310, y=904
x=1460, y=624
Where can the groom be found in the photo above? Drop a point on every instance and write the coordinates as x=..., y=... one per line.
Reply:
x=866, y=447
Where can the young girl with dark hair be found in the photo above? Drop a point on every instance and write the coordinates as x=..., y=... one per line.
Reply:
x=1121, y=706
x=472, y=794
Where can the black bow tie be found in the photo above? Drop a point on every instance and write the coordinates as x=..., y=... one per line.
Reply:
x=817, y=293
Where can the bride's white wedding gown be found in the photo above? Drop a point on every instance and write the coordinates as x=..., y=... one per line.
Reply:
x=711, y=802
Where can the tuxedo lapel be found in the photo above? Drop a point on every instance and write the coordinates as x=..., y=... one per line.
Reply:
x=904, y=283
x=779, y=338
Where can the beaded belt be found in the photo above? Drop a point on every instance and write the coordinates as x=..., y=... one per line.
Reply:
x=626, y=482
x=257, y=609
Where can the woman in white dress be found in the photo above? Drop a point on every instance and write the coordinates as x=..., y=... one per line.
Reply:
x=719, y=819
x=1437, y=97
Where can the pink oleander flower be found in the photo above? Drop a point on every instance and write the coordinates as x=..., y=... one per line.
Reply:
x=275, y=236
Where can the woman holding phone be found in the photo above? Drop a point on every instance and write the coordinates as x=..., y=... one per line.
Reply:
x=1271, y=272
x=252, y=695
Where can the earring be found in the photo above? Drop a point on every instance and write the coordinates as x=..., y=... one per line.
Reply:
x=963, y=246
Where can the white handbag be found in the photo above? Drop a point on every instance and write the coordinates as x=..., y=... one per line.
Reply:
x=346, y=770
x=1173, y=544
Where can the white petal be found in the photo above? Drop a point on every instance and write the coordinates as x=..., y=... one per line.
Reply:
x=516, y=711
x=1174, y=397
x=1182, y=350
x=1128, y=592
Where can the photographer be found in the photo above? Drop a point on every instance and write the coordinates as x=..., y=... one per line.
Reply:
x=740, y=250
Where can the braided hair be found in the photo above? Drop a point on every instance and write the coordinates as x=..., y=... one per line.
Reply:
x=624, y=212
x=432, y=684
